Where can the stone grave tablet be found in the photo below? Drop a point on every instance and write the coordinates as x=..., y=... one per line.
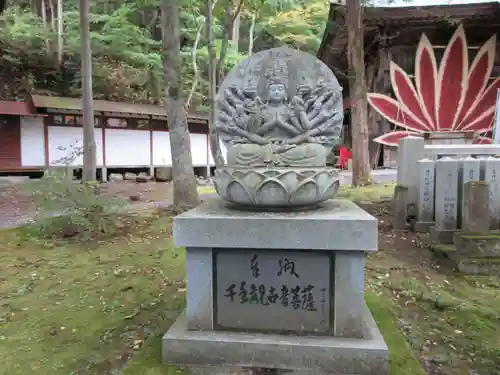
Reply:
x=273, y=290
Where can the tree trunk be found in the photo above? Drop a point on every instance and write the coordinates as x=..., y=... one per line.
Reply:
x=357, y=87
x=224, y=45
x=89, y=146
x=251, y=33
x=43, y=10
x=212, y=89
x=235, y=36
x=185, y=190
x=52, y=16
x=228, y=27
x=60, y=45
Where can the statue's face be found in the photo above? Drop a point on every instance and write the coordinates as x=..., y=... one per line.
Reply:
x=277, y=92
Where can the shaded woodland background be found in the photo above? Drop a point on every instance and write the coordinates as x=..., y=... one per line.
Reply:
x=40, y=44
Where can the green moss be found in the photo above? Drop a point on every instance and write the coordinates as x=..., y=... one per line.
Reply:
x=71, y=309
x=370, y=193
x=442, y=249
x=487, y=260
x=401, y=359
x=479, y=183
x=478, y=237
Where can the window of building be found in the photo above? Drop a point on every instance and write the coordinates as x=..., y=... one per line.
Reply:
x=159, y=124
x=198, y=128
x=57, y=120
x=113, y=122
x=69, y=120
x=141, y=124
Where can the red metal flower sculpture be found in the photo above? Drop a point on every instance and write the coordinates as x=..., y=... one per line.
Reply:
x=453, y=98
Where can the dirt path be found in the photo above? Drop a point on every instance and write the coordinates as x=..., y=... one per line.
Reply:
x=16, y=208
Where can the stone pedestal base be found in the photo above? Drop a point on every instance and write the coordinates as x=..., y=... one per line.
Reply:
x=489, y=266
x=318, y=354
x=443, y=236
x=423, y=226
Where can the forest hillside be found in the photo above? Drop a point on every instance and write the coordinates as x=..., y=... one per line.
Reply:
x=40, y=44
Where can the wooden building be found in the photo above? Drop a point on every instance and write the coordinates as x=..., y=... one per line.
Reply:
x=392, y=38
x=46, y=131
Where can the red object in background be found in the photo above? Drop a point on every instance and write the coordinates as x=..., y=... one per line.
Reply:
x=450, y=96
x=344, y=156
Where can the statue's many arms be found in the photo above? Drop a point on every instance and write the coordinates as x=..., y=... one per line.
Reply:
x=279, y=107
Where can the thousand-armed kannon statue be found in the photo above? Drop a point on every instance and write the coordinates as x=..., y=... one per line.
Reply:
x=279, y=114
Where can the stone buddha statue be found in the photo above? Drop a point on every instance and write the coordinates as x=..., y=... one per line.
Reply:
x=279, y=114
x=280, y=127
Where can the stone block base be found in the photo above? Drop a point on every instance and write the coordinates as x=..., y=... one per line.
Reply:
x=316, y=354
x=477, y=245
x=488, y=266
x=423, y=226
x=444, y=236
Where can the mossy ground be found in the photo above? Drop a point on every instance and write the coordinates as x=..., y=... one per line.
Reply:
x=101, y=308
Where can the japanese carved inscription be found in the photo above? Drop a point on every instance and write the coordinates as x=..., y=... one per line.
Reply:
x=273, y=290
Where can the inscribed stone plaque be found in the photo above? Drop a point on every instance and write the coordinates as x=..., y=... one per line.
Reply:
x=446, y=193
x=273, y=290
x=470, y=171
x=425, y=210
x=492, y=176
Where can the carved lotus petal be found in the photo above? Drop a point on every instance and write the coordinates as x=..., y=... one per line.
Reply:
x=270, y=192
x=236, y=192
x=307, y=192
x=252, y=179
x=223, y=176
x=288, y=187
x=322, y=179
x=331, y=190
x=271, y=173
x=307, y=174
x=289, y=180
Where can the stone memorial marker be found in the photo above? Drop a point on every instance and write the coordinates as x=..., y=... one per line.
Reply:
x=275, y=269
x=425, y=207
x=446, y=201
x=470, y=171
x=471, y=168
x=446, y=193
x=492, y=176
x=410, y=150
x=475, y=216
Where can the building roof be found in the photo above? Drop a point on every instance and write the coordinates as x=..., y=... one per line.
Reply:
x=44, y=103
x=375, y=16
x=401, y=21
x=14, y=108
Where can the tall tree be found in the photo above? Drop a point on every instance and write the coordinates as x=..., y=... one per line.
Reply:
x=89, y=146
x=185, y=191
x=212, y=86
x=357, y=88
x=60, y=24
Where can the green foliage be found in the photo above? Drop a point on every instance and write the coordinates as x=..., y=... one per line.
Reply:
x=126, y=45
x=301, y=27
x=67, y=208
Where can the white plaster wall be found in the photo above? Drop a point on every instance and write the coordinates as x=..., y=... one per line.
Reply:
x=199, y=149
x=127, y=148
x=123, y=147
x=223, y=150
x=32, y=142
x=161, y=149
x=65, y=140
